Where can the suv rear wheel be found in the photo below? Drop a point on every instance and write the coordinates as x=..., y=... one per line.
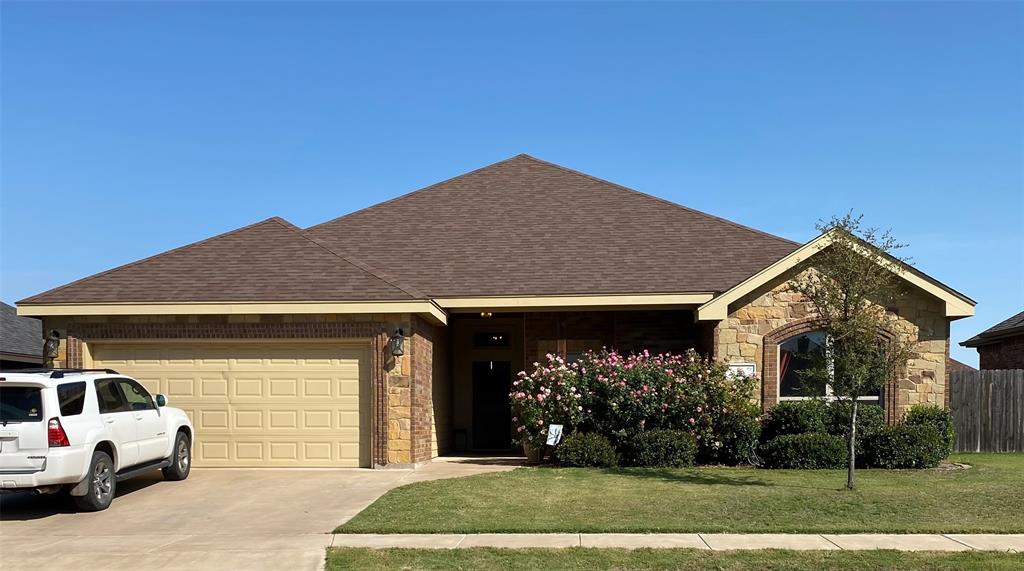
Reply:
x=102, y=484
x=181, y=458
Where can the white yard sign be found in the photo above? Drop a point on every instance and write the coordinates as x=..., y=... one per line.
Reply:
x=745, y=369
x=554, y=434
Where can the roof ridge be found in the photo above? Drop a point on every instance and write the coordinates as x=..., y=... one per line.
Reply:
x=277, y=219
x=364, y=267
x=661, y=200
x=418, y=190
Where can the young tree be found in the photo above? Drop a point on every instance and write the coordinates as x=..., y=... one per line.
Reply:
x=850, y=284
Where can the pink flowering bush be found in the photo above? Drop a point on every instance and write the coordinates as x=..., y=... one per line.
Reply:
x=620, y=396
x=551, y=394
x=641, y=392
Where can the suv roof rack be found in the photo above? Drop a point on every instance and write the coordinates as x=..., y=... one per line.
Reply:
x=58, y=373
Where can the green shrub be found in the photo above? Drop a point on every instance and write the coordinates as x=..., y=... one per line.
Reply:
x=870, y=419
x=905, y=446
x=807, y=451
x=794, y=417
x=735, y=438
x=587, y=450
x=938, y=418
x=661, y=448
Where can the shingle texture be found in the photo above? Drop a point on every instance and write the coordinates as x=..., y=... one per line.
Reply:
x=528, y=227
x=518, y=227
x=268, y=261
x=1003, y=329
x=20, y=335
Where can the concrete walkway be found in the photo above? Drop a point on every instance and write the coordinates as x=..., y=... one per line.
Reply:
x=713, y=541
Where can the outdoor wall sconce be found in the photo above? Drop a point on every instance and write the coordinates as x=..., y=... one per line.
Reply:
x=396, y=343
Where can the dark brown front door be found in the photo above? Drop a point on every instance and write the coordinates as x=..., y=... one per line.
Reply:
x=492, y=415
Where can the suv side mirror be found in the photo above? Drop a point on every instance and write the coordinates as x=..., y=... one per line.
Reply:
x=161, y=400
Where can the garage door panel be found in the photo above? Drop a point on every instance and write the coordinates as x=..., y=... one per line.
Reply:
x=248, y=419
x=211, y=419
x=317, y=420
x=317, y=387
x=273, y=404
x=284, y=387
x=213, y=387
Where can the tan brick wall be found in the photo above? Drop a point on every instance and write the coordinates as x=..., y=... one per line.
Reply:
x=762, y=319
x=431, y=403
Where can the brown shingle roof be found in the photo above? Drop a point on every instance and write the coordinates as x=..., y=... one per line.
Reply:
x=517, y=227
x=1008, y=328
x=528, y=227
x=267, y=261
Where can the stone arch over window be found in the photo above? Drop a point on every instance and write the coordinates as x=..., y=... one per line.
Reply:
x=770, y=367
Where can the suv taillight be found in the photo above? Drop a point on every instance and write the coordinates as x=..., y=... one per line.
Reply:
x=56, y=434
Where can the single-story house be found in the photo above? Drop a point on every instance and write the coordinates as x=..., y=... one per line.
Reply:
x=1002, y=345
x=391, y=335
x=21, y=340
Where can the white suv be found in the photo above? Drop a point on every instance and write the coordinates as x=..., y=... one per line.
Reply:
x=84, y=431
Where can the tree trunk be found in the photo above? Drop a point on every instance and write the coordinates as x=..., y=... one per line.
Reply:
x=852, y=445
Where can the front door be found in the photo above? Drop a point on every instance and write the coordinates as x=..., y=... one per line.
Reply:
x=492, y=414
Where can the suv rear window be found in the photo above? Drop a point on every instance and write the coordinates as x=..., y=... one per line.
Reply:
x=71, y=397
x=21, y=404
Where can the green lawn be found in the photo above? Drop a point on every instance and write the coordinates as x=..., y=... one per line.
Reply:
x=681, y=559
x=986, y=498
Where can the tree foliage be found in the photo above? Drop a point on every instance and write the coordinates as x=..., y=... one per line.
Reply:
x=852, y=284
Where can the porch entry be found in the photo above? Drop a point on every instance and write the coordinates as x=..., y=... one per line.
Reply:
x=492, y=413
x=489, y=350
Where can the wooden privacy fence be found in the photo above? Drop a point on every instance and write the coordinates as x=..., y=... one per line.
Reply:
x=988, y=410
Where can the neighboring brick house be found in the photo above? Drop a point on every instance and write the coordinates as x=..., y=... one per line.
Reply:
x=1002, y=345
x=390, y=335
x=21, y=340
x=952, y=366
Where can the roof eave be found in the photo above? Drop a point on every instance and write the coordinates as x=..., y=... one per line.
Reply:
x=982, y=339
x=425, y=308
x=956, y=304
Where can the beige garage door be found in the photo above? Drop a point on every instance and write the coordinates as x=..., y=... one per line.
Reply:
x=259, y=404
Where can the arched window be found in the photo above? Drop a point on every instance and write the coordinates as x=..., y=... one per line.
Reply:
x=795, y=357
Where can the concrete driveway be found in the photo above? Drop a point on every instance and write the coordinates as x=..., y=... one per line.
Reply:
x=216, y=519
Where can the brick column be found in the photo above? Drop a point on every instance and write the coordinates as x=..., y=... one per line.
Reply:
x=73, y=353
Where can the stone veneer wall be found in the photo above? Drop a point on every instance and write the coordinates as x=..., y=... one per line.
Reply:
x=759, y=322
x=399, y=412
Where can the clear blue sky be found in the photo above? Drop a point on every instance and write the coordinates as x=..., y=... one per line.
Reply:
x=129, y=129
